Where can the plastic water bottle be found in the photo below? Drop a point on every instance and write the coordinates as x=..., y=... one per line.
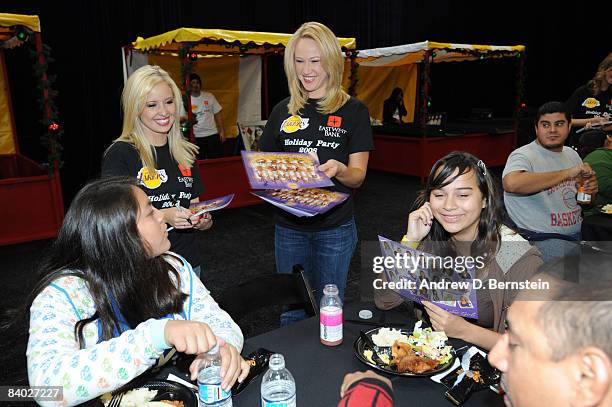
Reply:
x=277, y=385
x=210, y=392
x=330, y=316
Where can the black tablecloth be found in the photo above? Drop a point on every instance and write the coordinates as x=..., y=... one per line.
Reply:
x=319, y=370
x=597, y=228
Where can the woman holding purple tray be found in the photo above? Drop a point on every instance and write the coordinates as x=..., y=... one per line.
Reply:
x=319, y=118
x=458, y=215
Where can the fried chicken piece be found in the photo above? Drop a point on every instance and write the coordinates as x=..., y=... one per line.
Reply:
x=415, y=364
x=407, y=361
x=401, y=349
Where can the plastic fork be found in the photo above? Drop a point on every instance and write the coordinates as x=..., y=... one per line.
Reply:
x=116, y=400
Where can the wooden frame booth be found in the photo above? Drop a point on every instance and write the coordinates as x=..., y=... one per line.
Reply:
x=31, y=200
x=233, y=66
x=412, y=150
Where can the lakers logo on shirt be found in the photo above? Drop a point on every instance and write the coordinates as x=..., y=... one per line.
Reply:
x=293, y=124
x=590, y=103
x=152, y=181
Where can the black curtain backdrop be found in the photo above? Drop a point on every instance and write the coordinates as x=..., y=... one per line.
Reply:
x=564, y=46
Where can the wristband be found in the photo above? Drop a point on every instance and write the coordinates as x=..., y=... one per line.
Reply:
x=406, y=242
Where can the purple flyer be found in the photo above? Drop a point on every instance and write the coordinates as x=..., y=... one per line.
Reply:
x=267, y=170
x=199, y=208
x=420, y=276
x=303, y=202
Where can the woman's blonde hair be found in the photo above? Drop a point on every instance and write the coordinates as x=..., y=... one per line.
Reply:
x=332, y=61
x=599, y=84
x=133, y=100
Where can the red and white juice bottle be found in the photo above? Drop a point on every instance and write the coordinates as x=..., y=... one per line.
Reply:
x=330, y=314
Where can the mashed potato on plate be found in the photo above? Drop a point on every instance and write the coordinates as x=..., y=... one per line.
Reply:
x=388, y=336
x=133, y=398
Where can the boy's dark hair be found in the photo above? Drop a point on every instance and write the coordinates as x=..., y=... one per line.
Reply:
x=553, y=107
x=195, y=76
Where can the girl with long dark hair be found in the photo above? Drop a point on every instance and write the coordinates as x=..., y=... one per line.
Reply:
x=113, y=300
x=458, y=214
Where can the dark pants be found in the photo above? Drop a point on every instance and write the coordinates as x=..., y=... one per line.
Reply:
x=210, y=147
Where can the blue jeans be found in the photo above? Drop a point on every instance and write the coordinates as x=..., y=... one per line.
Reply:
x=552, y=249
x=564, y=254
x=325, y=256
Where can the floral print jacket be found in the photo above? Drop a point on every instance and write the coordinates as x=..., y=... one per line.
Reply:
x=54, y=357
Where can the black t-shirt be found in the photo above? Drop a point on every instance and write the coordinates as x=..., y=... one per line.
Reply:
x=584, y=105
x=390, y=106
x=172, y=182
x=330, y=136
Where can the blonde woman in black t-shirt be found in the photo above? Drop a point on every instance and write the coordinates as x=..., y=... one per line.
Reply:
x=319, y=118
x=591, y=104
x=152, y=149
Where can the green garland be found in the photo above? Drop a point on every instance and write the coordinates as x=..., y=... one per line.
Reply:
x=521, y=76
x=187, y=63
x=52, y=130
x=478, y=53
x=353, y=75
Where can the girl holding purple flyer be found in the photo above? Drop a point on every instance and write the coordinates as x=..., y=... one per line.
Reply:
x=458, y=215
x=321, y=119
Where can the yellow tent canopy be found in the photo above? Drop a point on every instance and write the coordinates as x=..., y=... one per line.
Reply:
x=211, y=41
x=440, y=52
x=9, y=25
x=383, y=69
x=8, y=21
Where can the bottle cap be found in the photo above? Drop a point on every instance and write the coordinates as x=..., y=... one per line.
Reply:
x=365, y=314
x=330, y=289
x=277, y=361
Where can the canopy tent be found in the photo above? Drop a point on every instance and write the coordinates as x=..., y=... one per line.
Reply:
x=384, y=64
x=31, y=201
x=444, y=52
x=12, y=34
x=229, y=63
x=216, y=41
x=412, y=150
x=10, y=23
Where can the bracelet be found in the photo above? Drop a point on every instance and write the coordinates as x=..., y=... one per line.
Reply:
x=411, y=244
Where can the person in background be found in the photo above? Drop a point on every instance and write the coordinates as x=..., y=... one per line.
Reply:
x=208, y=130
x=558, y=349
x=152, y=149
x=458, y=215
x=591, y=103
x=366, y=389
x=597, y=147
x=393, y=107
x=539, y=182
x=336, y=128
x=112, y=300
